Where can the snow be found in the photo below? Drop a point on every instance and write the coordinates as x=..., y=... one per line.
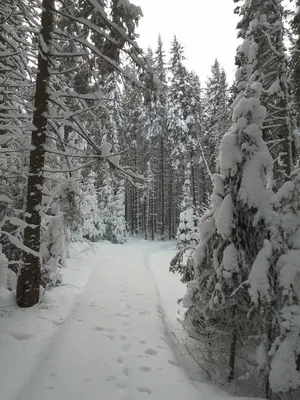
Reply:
x=105, y=149
x=230, y=260
x=284, y=375
x=3, y=271
x=230, y=154
x=110, y=331
x=259, y=286
x=224, y=220
x=288, y=266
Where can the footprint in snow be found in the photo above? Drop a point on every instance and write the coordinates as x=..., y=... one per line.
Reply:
x=121, y=386
x=151, y=352
x=143, y=341
x=125, y=346
x=111, y=337
x=110, y=378
x=21, y=336
x=145, y=369
x=171, y=362
x=98, y=328
x=58, y=323
x=144, y=312
x=145, y=390
x=122, y=315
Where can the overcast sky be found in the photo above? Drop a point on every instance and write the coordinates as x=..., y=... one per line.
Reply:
x=206, y=28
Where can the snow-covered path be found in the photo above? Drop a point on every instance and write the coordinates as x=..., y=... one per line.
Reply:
x=112, y=346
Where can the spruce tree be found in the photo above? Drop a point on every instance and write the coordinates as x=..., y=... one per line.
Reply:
x=160, y=136
x=261, y=26
x=177, y=129
x=232, y=233
x=217, y=113
x=30, y=274
x=71, y=100
x=295, y=72
x=186, y=232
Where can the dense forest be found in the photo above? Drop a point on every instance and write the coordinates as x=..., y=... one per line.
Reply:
x=102, y=140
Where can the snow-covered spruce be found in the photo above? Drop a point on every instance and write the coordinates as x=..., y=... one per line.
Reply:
x=53, y=246
x=186, y=232
x=232, y=234
x=187, y=237
x=216, y=113
x=262, y=57
x=113, y=197
x=284, y=333
x=94, y=225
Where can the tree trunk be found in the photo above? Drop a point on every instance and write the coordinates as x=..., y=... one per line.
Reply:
x=30, y=274
x=162, y=187
x=232, y=356
x=170, y=210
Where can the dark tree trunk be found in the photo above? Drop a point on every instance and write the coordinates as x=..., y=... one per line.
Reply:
x=152, y=219
x=232, y=356
x=193, y=185
x=162, y=186
x=170, y=210
x=30, y=274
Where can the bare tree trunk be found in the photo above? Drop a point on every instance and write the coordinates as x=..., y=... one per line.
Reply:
x=193, y=178
x=30, y=274
x=152, y=219
x=162, y=187
x=270, y=339
x=170, y=204
x=193, y=185
x=233, y=348
x=135, y=196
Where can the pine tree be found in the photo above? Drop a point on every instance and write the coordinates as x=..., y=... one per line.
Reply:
x=283, y=307
x=119, y=231
x=53, y=246
x=295, y=73
x=71, y=100
x=93, y=226
x=217, y=113
x=232, y=233
x=149, y=202
x=113, y=196
x=160, y=133
x=262, y=26
x=197, y=155
x=132, y=129
x=30, y=274
x=15, y=109
x=177, y=130
x=187, y=225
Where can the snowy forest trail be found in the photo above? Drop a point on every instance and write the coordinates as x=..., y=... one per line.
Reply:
x=113, y=345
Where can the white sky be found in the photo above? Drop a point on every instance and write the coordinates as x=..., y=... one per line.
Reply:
x=206, y=29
